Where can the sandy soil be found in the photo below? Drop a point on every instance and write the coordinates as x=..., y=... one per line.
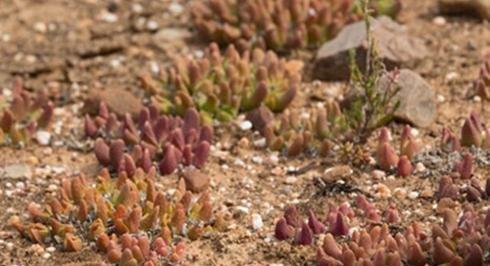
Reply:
x=71, y=46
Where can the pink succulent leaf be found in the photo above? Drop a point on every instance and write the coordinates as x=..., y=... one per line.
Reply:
x=169, y=162
x=315, y=225
x=283, y=231
x=144, y=117
x=201, y=153
x=405, y=167
x=101, y=150
x=103, y=110
x=161, y=128
x=206, y=134
x=187, y=155
x=177, y=138
x=90, y=127
x=116, y=151
x=148, y=134
x=191, y=120
x=304, y=236
x=292, y=216
x=340, y=227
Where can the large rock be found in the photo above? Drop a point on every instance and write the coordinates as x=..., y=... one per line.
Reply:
x=394, y=45
x=118, y=101
x=417, y=98
x=478, y=8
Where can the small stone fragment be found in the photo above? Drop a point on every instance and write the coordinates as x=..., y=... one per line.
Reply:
x=257, y=221
x=196, y=181
x=43, y=137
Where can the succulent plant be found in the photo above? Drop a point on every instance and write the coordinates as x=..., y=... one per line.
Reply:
x=474, y=132
x=387, y=157
x=23, y=115
x=220, y=86
x=278, y=25
x=482, y=84
x=449, y=141
x=124, y=144
x=463, y=242
x=294, y=134
x=465, y=167
x=131, y=220
x=336, y=222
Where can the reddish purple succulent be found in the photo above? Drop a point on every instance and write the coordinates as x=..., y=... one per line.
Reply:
x=125, y=144
x=465, y=166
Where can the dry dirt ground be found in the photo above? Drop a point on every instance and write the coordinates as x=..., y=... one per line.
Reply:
x=70, y=46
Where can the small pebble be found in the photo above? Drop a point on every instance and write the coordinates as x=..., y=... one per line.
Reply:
x=175, y=8
x=46, y=255
x=413, y=195
x=420, y=167
x=242, y=209
x=43, y=137
x=378, y=174
x=441, y=98
x=40, y=27
x=245, y=125
x=439, y=21
x=382, y=191
x=137, y=8
x=451, y=76
x=400, y=193
x=10, y=246
x=20, y=185
x=291, y=179
x=109, y=17
x=257, y=160
x=243, y=142
x=260, y=143
x=152, y=25
x=51, y=249
x=257, y=221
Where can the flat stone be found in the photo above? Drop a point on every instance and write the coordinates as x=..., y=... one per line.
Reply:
x=417, y=99
x=474, y=8
x=118, y=101
x=196, y=181
x=395, y=47
x=16, y=171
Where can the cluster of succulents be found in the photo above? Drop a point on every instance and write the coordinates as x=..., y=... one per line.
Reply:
x=336, y=222
x=278, y=25
x=20, y=118
x=455, y=243
x=220, y=85
x=124, y=144
x=131, y=220
x=463, y=242
x=474, y=191
x=386, y=156
x=482, y=84
x=317, y=131
x=295, y=133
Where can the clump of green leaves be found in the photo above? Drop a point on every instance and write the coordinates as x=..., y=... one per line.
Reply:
x=221, y=85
